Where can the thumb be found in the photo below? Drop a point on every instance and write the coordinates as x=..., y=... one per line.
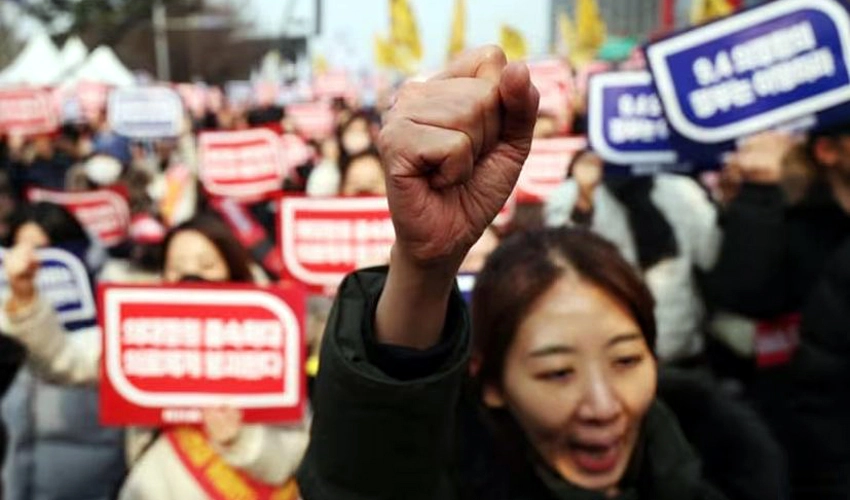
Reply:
x=520, y=100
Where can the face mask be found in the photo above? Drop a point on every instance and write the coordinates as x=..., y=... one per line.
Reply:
x=356, y=143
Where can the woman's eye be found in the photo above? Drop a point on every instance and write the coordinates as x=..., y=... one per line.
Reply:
x=627, y=361
x=556, y=375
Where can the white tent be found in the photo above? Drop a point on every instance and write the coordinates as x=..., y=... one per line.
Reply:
x=37, y=64
x=73, y=55
x=102, y=66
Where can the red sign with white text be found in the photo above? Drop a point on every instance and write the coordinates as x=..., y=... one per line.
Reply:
x=104, y=212
x=243, y=164
x=323, y=239
x=169, y=351
x=27, y=112
x=312, y=119
x=546, y=167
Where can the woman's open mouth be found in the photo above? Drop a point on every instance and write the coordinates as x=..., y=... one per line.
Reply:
x=596, y=457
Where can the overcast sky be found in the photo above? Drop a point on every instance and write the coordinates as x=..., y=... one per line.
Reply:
x=348, y=26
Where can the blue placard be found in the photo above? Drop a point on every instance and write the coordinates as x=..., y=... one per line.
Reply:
x=626, y=121
x=145, y=112
x=753, y=71
x=63, y=281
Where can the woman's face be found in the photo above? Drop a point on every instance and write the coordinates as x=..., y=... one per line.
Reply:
x=191, y=254
x=356, y=137
x=579, y=378
x=33, y=235
x=365, y=176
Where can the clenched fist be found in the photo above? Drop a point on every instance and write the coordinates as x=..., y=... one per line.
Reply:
x=453, y=148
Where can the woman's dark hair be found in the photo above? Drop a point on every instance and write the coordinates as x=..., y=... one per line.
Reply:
x=575, y=159
x=525, y=266
x=346, y=162
x=56, y=221
x=213, y=229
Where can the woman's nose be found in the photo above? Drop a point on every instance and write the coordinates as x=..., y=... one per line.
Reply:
x=599, y=400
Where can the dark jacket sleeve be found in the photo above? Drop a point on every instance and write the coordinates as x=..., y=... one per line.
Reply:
x=373, y=436
x=749, y=277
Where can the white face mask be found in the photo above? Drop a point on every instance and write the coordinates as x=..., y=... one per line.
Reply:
x=356, y=142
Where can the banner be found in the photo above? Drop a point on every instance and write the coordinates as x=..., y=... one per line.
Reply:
x=546, y=167
x=314, y=120
x=750, y=72
x=103, y=213
x=27, y=112
x=323, y=239
x=170, y=350
x=554, y=80
x=63, y=281
x=145, y=112
x=243, y=164
x=626, y=123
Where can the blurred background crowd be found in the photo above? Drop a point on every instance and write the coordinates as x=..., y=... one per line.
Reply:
x=748, y=261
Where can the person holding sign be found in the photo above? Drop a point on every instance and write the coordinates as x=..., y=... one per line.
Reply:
x=665, y=225
x=67, y=454
x=787, y=267
x=563, y=377
x=259, y=459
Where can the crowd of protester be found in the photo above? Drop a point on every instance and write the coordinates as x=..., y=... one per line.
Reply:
x=665, y=288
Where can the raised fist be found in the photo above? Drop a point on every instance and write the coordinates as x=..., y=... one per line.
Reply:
x=453, y=148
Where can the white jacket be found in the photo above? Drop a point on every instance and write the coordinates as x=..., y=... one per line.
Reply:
x=679, y=311
x=270, y=454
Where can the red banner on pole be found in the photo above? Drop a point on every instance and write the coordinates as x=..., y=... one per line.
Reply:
x=170, y=350
x=27, y=112
x=104, y=213
x=243, y=164
x=323, y=239
x=546, y=167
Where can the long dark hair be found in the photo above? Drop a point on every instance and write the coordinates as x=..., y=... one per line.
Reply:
x=212, y=228
x=523, y=268
x=56, y=221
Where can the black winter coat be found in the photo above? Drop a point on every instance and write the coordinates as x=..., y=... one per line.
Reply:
x=378, y=437
x=775, y=260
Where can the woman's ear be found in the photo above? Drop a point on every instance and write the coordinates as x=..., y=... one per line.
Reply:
x=493, y=396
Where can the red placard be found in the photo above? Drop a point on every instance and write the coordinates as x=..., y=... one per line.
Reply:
x=554, y=80
x=243, y=164
x=296, y=152
x=546, y=167
x=777, y=340
x=312, y=119
x=170, y=350
x=104, y=212
x=323, y=239
x=27, y=111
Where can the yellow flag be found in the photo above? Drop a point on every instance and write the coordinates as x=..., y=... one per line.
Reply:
x=384, y=53
x=703, y=11
x=457, y=43
x=566, y=34
x=320, y=64
x=513, y=43
x=388, y=56
x=591, y=32
x=404, y=34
